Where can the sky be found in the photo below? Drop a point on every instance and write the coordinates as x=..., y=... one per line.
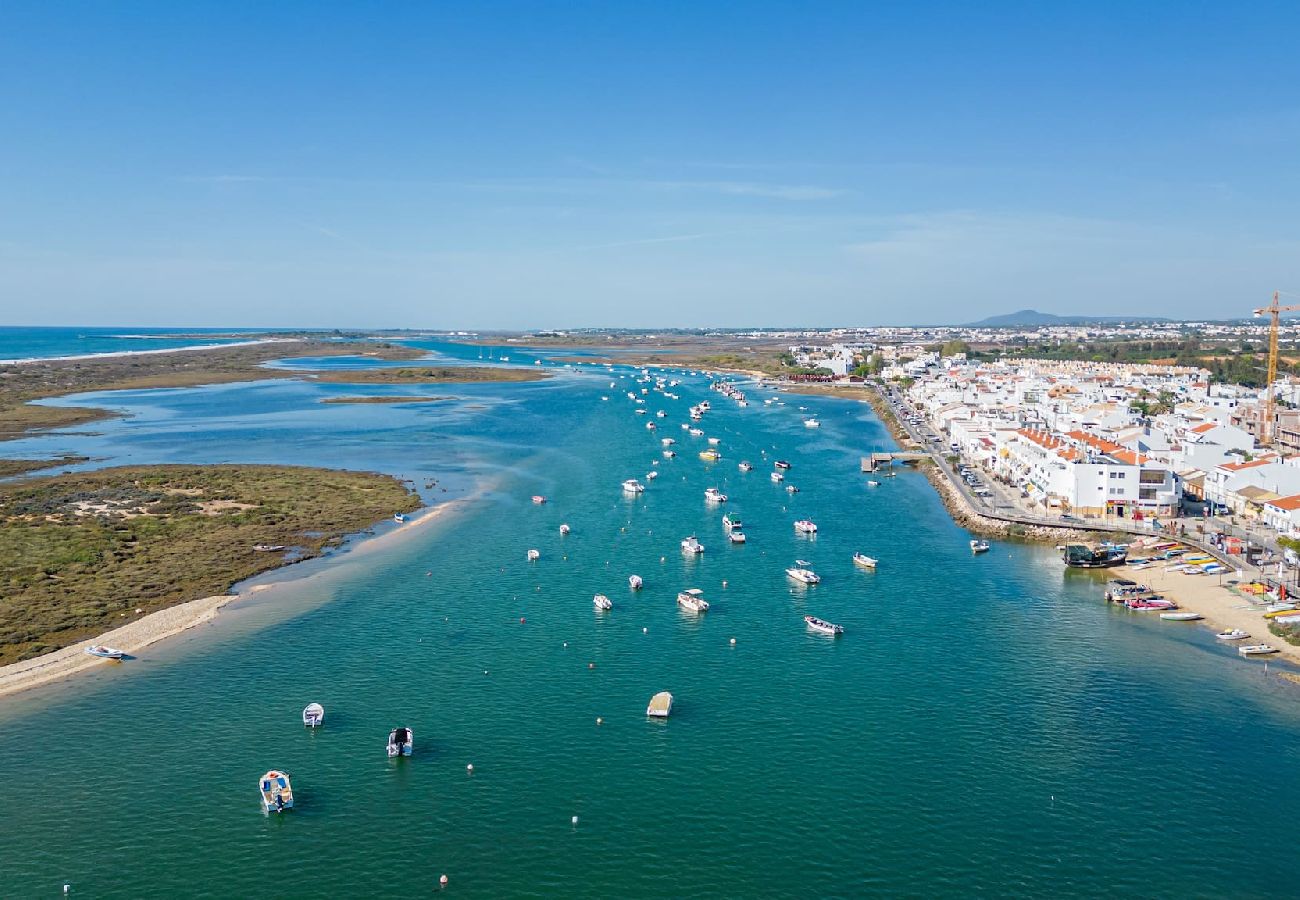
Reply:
x=671, y=164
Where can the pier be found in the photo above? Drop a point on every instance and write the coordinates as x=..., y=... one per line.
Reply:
x=875, y=460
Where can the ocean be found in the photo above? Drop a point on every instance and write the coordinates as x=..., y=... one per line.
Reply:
x=985, y=724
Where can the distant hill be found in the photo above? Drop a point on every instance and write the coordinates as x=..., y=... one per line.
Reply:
x=1034, y=317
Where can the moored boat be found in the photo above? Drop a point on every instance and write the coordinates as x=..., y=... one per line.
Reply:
x=102, y=652
x=746, y=467
x=736, y=536
x=871, y=482
x=632, y=486
x=661, y=705
x=600, y=601
x=777, y=476
x=800, y=572
x=533, y=555
x=538, y=498
x=729, y=522
x=276, y=791
x=1093, y=556
x=979, y=546
x=823, y=626
x=1256, y=650
x=634, y=582
x=805, y=526
x=810, y=422
x=781, y=464
x=564, y=529
x=864, y=561
x=692, y=545
x=693, y=600
x=711, y=455
x=401, y=742
x=713, y=495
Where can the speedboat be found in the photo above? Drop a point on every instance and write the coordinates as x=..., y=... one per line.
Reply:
x=864, y=561
x=713, y=495
x=600, y=601
x=692, y=600
x=781, y=464
x=634, y=582
x=692, y=545
x=746, y=467
x=1233, y=634
x=103, y=652
x=736, y=536
x=661, y=705
x=534, y=555
x=805, y=526
x=979, y=546
x=730, y=522
x=711, y=455
x=538, y=498
x=401, y=741
x=313, y=715
x=798, y=573
x=277, y=793
x=811, y=423
x=632, y=486
x=1256, y=650
x=778, y=477
x=564, y=529
x=823, y=626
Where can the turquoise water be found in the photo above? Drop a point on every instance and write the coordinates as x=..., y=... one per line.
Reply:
x=985, y=724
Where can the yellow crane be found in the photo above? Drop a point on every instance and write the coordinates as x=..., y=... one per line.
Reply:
x=1275, y=313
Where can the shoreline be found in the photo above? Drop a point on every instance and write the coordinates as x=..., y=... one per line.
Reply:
x=157, y=626
x=112, y=354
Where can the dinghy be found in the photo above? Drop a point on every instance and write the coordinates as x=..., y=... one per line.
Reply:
x=313, y=716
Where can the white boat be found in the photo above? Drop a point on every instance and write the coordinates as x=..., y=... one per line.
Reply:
x=864, y=561
x=276, y=792
x=692, y=545
x=871, y=482
x=103, y=652
x=668, y=454
x=979, y=546
x=1233, y=634
x=791, y=489
x=650, y=426
x=746, y=467
x=651, y=476
x=538, y=498
x=534, y=555
x=399, y=518
x=1181, y=616
x=564, y=529
x=736, y=536
x=811, y=423
x=805, y=526
x=713, y=495
x=715, y=441
x=695, y=432
x=729, y=522
x=667, y=442
x=634, y=582
x=661, y=705
x=632, y=486
x=268, y=548
x=401, y=741
x=685, y=427
x=798, y=573
x=823, y=626
x=661, y=414
x=1256, y=650
x=600, y=601
x=313, y=715
x=692, y=600
x=778, y=477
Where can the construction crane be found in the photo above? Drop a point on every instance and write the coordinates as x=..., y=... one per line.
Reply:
x=1275, y=313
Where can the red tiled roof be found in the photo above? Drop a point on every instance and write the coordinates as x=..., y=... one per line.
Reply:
x=1286, y=503
x=1208, y=426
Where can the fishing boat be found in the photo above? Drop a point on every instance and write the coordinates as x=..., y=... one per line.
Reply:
x=401, y=741
x=692, y=545
x=805, y=526
x=823, y=626
x=864, y=561
x=1256, y=650
x=781, y=464
x=711, y=455
x=313, y=715
x=1181, y=616
x=691, y=599
x=778, y=477
x=600, y=601
x=729, y=522
x=632, y=486
x=103, y=652
x=713, y=495
x=979, y=546
x=1233, y=634
x=277, y=793
x=534, y=555
x=538, y=498
x=564, y=529
x=661, y=705
x=634, y=582
x=799, y=572
x=746, y=467
x=736, y=536
x=811, y=423
x=1093, y=556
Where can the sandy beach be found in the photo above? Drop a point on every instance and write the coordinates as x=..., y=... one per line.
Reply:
x=154, y=627
x=119, y=353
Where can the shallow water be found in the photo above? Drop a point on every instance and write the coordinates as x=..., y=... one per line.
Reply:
x=984, y=724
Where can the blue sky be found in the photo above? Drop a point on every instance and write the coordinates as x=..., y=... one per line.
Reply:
x=498, y=165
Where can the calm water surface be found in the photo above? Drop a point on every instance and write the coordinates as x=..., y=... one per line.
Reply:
x=985, y=724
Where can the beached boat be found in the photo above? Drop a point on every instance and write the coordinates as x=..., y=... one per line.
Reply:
x=538, y=498
x=692, y=545
x=1233, y=634
x=600, y=601
x=632, y=486
x=799, y=573
x=1093, y=556
x=693, y=600
x=102, y=652
x=778, y=477
x=1146, y=604
x=979, y=546
x=713, y=495
x=399, y=518
x=736, y=536
x=401, y=741
x=781, y=464
x=634, y=582
x=1256, y=650
x=746, y=467
x=534, y=555
x=864, y=561
x=268, y=548
x=661, y=705
x=823, y=626
x=805, y=526
x=1181, y=616
x=276, y=792
x=729, y=522
x=711, y=455
x=313, y=715
x=564, y=529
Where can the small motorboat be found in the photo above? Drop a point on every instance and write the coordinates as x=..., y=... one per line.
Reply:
x=710, y=455
x=313, y=715
x=736, y=536
x=601, y=602
x=692, y=545
x=1181, y=616
x=661, y=705
x=805, y=575
x=730, y=522
x=866, y=562
x=103, y=652
x=1233, y=634
x=538, y=498
x=401, y=741
x=871, y=482
x=399, y=518
x=746, y=467
x=810, y=422
x=778, y=477
x=805, y=526
x=632, y=486
x=693, y=600
x=791, y=489
x=534, y=555
x=669, y=454
x=634, y=582
x=277, y=793
x=823, y=626
x=781, y=464
x=650, y=426
x=715, y=441
x=713, y=495
x=651, y=476
x=979, y=546
x=667, y=442
x=1256, y=650
x=696, y=432
x=564, y=529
